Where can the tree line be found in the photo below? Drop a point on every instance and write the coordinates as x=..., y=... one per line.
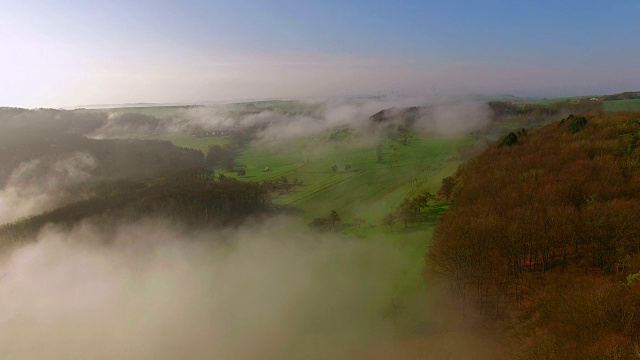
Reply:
x=115, y=158
x=195, y=198
x=507, y=110
x=411, y=210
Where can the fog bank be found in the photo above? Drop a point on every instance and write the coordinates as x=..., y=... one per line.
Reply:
x=149, y=292
x=38, y=185
x=278, y=121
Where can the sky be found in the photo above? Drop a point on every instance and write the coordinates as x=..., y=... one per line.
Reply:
x=69, y=53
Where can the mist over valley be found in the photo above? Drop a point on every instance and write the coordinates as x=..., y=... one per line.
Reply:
x=306, y=180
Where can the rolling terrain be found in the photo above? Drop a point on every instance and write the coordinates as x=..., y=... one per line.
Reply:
x=351, y=199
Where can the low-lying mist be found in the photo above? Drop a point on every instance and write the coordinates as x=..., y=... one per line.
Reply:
x=148, y=291
x=283, y=121
x=157, y=290
x=438, y=117
x=38, y=185
x=266, y=291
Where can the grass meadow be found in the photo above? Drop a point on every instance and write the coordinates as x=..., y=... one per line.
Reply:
x=622, y=105
x=360, y=188
x=188, y=141
x=368, y=190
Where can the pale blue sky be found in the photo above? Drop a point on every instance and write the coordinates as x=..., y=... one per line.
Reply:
x=61, y=53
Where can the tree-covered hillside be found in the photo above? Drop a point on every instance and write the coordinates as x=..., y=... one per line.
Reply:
x=543, y=232
x=195, y=198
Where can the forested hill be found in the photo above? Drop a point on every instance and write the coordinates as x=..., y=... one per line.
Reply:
x=543, y=234
x=195, y=198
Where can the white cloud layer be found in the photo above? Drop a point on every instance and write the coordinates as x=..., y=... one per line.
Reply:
x=38, y=185
x=152, y=292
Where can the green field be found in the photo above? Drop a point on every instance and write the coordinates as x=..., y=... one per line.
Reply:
x=622, y=105
x=157, y=111
x=281, y=106
x=188, y=141
x=369, y=190
x=609, y=105
x=284, y=107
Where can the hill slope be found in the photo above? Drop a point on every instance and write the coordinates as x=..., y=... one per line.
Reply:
x=543, y=230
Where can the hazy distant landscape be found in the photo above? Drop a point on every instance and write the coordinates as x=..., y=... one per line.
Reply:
x=319, y=180
x=293, y=225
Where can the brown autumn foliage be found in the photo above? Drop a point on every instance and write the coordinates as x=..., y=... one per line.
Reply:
x=542, y=234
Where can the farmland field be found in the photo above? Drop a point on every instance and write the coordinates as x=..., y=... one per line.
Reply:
x=360, y=187
x=361, y=177
x=368, y=190
x=622, y=105
x=187, y=141
x=157, y=111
